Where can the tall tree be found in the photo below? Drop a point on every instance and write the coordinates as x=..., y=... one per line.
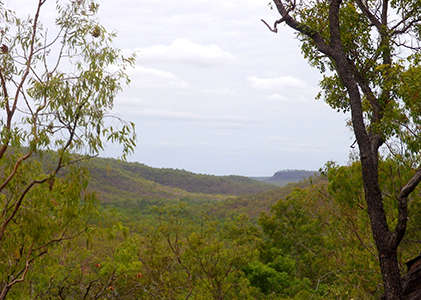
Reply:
x=57, y=86
x=369, y=54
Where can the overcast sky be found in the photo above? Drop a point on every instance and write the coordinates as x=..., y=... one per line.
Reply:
x=215, y=92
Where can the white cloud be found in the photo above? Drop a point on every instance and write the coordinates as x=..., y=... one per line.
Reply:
x=221, y=91
x=290, y=98
x=186, y=52
x=155, y=78
x=276, y=83
x=129, y=102
x=278, y=97
x=192, y=117
x=292, y=144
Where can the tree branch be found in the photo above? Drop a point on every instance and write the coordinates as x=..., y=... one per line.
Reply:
x=19, y=203
x=275, y=25
x=303, y=29
x=403, y=207
x=22, y=273
x=15, y=169
x=373, y=19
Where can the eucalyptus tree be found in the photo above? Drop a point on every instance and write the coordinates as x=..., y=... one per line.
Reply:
x=369, y=54
x=58, y=84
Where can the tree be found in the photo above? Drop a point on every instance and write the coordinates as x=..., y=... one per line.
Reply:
x=369, y=55
x=192, y=256
x=57, y=86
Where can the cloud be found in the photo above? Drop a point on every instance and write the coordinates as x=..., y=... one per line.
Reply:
x=278, y=97
x=290, y=98
x=276, y=83
x=288, y=144
x=155, y=78
x=186, y=52
x=221, y=91
x=192, y=117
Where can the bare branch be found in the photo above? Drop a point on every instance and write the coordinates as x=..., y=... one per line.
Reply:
x=403, y=22
x=275, y=25
x=43, y=48
x=281, y=20
x=403, y=207
x=411, y=185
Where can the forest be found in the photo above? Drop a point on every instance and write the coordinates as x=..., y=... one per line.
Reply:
x=306, y=240
x=77, y=226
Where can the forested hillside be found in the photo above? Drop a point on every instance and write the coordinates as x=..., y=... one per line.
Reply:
x=302, y=241
x=116, y=185
x=255, y=204
x=122, y=184
x=131, y=176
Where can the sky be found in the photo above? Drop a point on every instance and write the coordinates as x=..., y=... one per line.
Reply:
x=214, y=91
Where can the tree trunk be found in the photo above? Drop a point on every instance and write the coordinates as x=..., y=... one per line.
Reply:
x=383, y=237
x=4, y=292
x=369, y=162
x=391, y=276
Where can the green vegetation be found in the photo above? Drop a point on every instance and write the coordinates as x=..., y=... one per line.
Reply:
x=119, y=186
x=310, y=242
x=190, y=182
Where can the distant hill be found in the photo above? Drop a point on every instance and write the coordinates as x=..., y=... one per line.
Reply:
x=254, y=205
x=137, y=186
x=283, y=177
x=127, y=183
x=116, y=187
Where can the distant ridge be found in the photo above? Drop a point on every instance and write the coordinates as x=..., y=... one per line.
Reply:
x=116, y=180
x=283, y=177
